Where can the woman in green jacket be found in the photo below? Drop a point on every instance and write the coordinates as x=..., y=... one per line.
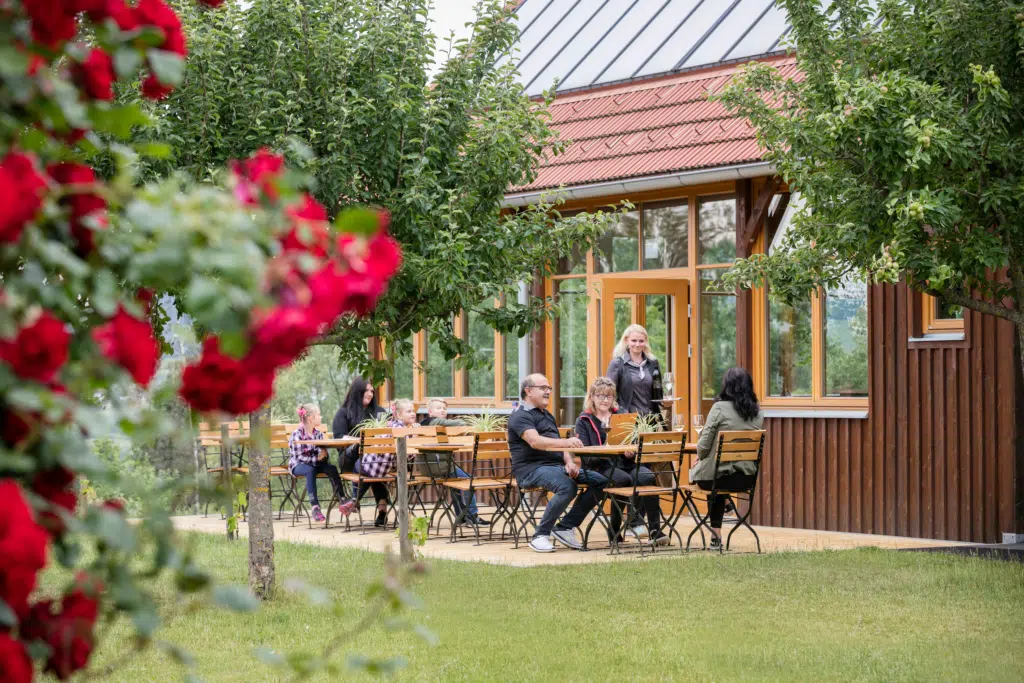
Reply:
x=735, y=409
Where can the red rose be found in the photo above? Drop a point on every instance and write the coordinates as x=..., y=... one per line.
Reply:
x=22, y=546
x=383, y=257
x=55, y=487
x=258, y=173
x=83, y=204
x=98, y=10
x=327, y=293
x=309, y=228
x=254, y=388
x=145, y=295
x=114, y=505
x=130, y=343
x=155, y=90
x=203, y=384
x=157, y=13
x=69, y=632
x=53, y=22
x=212, y=3
x=14, y=660
x=21, y=194
x=279, y=337
x=360, y=292
x=95, y=75
x=39, y=350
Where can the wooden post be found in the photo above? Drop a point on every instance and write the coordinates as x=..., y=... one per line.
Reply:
x=225, y=475
x=261, y=513
x=404, y=544
x=744, y=300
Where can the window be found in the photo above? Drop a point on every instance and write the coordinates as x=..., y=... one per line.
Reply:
x=939, y=316
x=816, y=351
x=571, y=343
x=666, y=232
x=478, y=381
x=618, y=250
x=510, y=392
x=402, y=383
x=717, y=331
x=717, y=233
x=440, y=372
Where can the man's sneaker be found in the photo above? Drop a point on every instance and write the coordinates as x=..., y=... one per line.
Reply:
x=346, y=507
x=640, y=530
x=542, y=544
x=474, y=521
x=567, y=537
x=716, y=543
x=317, y=515
x=659, y=539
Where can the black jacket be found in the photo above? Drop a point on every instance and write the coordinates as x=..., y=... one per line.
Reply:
x=624, y=387
x=342, y=426
x=592, y=433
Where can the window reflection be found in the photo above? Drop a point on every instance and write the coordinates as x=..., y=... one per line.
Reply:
x=846, y=341
x=401, y=383
x=479, y=381
x=717, y=331
x=618, y=250
x=666, y=236
x=440, y=372
x=789, y=349
x=571, y=342
x=716, y=228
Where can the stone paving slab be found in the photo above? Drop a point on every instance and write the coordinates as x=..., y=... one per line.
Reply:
x=773, y=539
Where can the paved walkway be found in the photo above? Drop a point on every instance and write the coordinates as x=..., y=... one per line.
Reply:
x=773, y=539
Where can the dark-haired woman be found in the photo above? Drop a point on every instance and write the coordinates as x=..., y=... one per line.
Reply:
x=735, y=409
x=360, y=404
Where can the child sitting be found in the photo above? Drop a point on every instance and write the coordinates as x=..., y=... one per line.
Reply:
x=309, y=460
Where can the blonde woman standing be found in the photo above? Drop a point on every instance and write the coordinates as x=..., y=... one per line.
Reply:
x=636, y=373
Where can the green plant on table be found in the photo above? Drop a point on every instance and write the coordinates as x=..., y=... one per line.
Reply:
x=486, y=422
x=645, y=424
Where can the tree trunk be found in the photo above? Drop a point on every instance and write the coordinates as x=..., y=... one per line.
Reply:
x=404, y=543
x=260, y=517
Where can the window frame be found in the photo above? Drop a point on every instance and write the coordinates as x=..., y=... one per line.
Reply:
x=932, y=324
x=817, y=400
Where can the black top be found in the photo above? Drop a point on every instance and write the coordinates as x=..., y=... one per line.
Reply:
x=342, y=426
x=633, y=398
x=592, y=433
x=525, y=458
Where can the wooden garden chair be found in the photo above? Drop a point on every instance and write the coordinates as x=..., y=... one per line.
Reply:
x=377, y=440
x=732, y=446
x=490, y=448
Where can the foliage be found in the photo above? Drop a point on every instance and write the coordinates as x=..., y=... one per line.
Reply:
x=645, y=424
x=81, y=256
x=485, y=422
x=348, y=83
x=129, y=477
x=375, y=422
x=906, y=142
x=316, y=377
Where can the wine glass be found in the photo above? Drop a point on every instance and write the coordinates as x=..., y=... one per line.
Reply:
x=668, y=384
x=698, y=422
x=679, y=422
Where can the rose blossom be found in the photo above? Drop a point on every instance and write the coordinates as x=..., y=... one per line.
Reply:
x=53, y=22
x=95, y=75
x=69, y=632
x=279, y=337
x=22, y=546
x=39, y=350
x=309, y=228
x=14, y=660
x=130, y=343
x=259, y=173
x=82, y=204
x=55, y=487
x=21, y=194
x=204, y=384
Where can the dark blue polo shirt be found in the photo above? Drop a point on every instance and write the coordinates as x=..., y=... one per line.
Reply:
x=525, y=458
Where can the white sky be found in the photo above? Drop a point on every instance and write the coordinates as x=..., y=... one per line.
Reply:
x=447, y=16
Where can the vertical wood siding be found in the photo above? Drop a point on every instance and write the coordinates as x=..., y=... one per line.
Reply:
x=939, y=455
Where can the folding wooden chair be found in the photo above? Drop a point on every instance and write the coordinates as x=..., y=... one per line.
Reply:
x=372, y=441
x=652, y=448
x=733, y=446
x=490, y=447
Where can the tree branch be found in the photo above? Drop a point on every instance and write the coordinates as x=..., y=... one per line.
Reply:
x=988, y=307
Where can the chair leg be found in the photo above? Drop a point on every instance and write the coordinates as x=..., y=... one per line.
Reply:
x=742, y=521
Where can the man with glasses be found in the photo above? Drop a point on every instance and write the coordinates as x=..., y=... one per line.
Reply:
x=531, y=429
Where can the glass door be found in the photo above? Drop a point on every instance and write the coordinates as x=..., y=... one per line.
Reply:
x=662, y=307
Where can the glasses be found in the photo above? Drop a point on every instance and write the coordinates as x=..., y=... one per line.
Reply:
x=603, y=397
x=542, y=387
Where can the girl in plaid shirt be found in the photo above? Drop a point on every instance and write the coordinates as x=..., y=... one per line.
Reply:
x=309, y=460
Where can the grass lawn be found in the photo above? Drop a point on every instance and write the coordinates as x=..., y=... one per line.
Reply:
x=850, y=615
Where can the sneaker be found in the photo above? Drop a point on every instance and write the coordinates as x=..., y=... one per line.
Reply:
x=317, y=515
x=542, y=544
x=640, y=530
x=567, y=537
x=659, y=539
x=716, y=543
x=346, y=507
x=382, y=518
x=474, y=520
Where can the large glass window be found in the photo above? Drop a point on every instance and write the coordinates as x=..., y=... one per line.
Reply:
x=666, y=235
x=478, y=381
x=846, y=341
x=571, y=342
x=717, y=331
x=789, y=349
x=618, y=250
x=716, y=229
x=512, y=365
x=658, y=319
x=440, y=373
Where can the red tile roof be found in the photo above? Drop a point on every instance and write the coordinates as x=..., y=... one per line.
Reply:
x=653, y=127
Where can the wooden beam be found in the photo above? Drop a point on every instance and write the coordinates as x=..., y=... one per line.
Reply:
x=744, y=300
x=747, y=231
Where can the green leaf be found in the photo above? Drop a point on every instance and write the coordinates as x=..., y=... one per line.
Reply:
x=127, y=61
x=235, y=598
x=146, y=621
x=177, y=653
x=168, y=67
x=7, y=616
x=153, y=150
x=242, y=499
x=118, y=121
x=358, y=221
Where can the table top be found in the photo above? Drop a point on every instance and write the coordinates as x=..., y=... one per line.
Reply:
x=342, y=441
x=608, y=449
x=450, y=447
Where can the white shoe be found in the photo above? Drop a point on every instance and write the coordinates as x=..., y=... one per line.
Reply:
x=640, y=530
x=542, y=544
x=567, y=537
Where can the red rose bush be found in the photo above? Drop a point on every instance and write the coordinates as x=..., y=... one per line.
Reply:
x=258, y=265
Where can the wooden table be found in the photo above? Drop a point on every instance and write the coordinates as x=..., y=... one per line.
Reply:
x=330, y=443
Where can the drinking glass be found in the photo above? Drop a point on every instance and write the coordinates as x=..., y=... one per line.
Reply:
x=698, y=422
x=679, y=422
x=668, y=384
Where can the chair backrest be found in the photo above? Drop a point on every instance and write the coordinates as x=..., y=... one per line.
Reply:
x=661, y=447
x=492, y=447
x=741, y=446
x=415, y=431
x=567, y=432
x=376, y=440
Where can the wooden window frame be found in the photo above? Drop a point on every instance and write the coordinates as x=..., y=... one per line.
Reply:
x=932, y=324
x=817, y=400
